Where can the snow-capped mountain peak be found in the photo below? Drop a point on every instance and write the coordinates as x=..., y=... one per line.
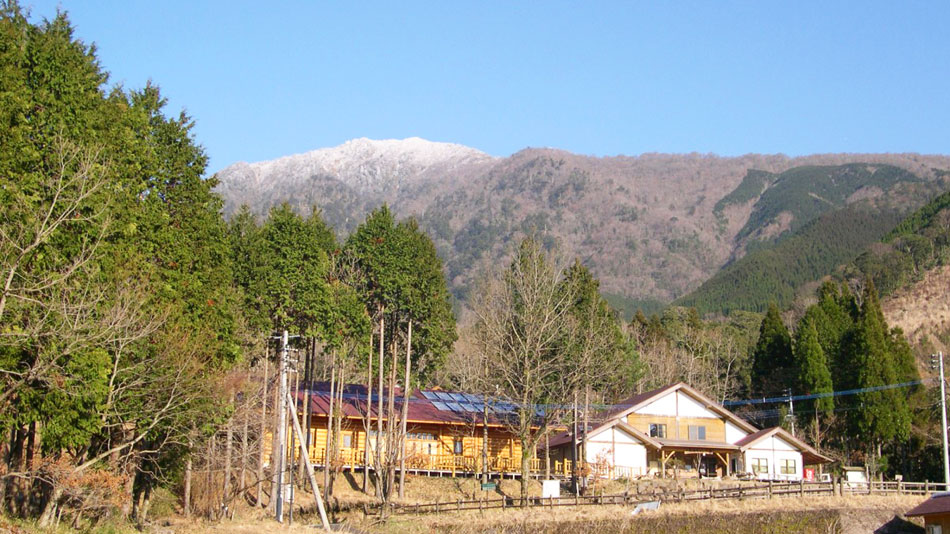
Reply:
x=366, y=165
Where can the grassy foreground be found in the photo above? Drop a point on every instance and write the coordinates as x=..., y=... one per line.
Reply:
x=792, y=515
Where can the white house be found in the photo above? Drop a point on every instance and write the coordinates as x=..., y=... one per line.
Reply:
x=678, y=430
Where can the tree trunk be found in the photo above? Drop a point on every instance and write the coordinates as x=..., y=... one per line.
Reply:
x=547, y=456
x=327, y=454
x=210, y=481
x=186, y=505
x=379, y=410
x=525, y=471
x=485, y=440
x=49, y=509
x=305, y=411
x=337, y=421
x=242, y=481
x=308, y=393
x=584, y=440
x=391, y=449
x=228, y=449
x=142, y=515
x=259, y=499
x=368, y=425
x=405, y=416
x=275, y=456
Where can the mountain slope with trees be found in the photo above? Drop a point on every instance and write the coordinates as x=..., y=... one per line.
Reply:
x=651, y=228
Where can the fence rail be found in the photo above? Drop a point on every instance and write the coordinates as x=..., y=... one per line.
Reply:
x=748, y=491
x=450, y=463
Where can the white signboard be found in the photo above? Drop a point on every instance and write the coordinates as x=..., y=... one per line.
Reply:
x=551, y=489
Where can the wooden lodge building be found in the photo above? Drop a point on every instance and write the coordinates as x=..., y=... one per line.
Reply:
x=678, y=429
x=671, y=431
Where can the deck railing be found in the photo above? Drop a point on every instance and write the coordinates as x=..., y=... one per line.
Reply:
x=450, y=463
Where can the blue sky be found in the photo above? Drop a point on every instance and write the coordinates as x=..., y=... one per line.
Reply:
x=265, y=79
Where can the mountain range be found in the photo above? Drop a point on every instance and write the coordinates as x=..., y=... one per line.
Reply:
x=653, y=228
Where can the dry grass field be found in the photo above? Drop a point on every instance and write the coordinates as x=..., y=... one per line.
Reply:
x=793, y=515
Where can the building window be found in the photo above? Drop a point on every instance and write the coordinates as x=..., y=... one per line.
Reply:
x=697, y=433
x=760, y=466
x=457, y=446
x=347, y=440
x=934, y=529
x=789, y=467
x=420, y=436
x=657, y=430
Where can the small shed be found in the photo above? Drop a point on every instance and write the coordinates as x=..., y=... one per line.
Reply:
x=935, y=511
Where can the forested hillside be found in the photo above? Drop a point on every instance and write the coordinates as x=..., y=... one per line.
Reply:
x=807, y=223
x=652, y=227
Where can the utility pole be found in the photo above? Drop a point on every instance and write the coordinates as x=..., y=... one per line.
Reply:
x=282, y=429
x=791, y=409
x=936, y=360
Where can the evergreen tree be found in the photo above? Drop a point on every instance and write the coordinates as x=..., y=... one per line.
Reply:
x=772, y=356
x=834, y=317
x=878, y=416
x=290, y=279
x=812, y=366
x=602, y=340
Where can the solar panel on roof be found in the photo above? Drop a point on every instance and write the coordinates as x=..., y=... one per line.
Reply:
x=430, y=395
x=455, y=407
x=467, y=407
x=473, y=398
x=440, y=406
x=458, y=397
x=444, y=396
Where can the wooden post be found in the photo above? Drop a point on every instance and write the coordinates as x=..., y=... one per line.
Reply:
x=801, y=491
x=770, y=488
x=309, y=466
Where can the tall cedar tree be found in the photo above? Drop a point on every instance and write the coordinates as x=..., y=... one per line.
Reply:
x=772, y=357
x=812, y=367
x=878, y=416
x=289, y=281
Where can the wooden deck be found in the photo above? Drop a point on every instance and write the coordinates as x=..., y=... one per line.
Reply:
x=467, y=466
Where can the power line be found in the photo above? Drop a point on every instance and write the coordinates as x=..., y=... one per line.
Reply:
x=507, y=405
x=811, y=396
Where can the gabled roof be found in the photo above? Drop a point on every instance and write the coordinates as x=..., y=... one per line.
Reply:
x=809, y=454
x=565, y=437
x=638, y=401
x=938, y=503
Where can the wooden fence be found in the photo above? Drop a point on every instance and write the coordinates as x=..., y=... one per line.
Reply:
x=767, y=490
x=454, y=464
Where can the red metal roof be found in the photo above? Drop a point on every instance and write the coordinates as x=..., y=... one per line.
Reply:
x=421, y=409
x=939, y=503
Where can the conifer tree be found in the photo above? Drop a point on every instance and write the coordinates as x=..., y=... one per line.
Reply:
x=812, y=366
x=883, y=415
x=772, y=357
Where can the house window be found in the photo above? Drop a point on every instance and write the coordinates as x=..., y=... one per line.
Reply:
x=789, y=467
x=457, y=446
x=697, y=432
x=347, y=440
x=657, y=430
x=934, y=529
x=760, y=466
x=420, y=436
